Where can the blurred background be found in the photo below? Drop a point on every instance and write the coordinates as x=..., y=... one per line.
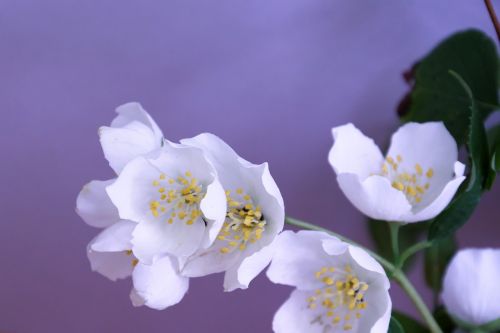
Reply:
x=271, y=77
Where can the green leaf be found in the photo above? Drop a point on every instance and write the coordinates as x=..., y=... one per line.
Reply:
x=395, y=326
x=494, y=144
x=437, y=258
x=409, y=324
x=436, y=96
x=462, y=207
x=408, y=235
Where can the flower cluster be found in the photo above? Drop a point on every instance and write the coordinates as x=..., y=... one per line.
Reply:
x=177, y=210
x=183, y=210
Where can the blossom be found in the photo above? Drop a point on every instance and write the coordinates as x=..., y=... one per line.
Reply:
x=339, y=287
x=158, y=285
x=132, y=133
x=470, y=286
x=176, y=200
x=415, y=182
x=255, y=215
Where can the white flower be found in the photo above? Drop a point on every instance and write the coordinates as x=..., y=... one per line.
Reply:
x=132, y=133
x=254, y=217
x=176, y=199
x=416, y=180
x=470, y=286
x=158, y=285
x=339, y=287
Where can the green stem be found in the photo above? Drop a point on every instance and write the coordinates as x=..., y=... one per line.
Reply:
x=411, y=251
x=395, y=273
x=410, y=290
x=394, y=229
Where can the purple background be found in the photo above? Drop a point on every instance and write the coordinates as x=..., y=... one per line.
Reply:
x=271, y=77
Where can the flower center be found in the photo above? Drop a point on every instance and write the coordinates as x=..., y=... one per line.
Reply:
x=244, y=222
x=341, y=299
x=412, y=183
x=178, y=198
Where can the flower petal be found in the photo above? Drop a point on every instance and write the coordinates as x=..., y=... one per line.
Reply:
x=366, y=261
x=94, y=205
x=443, y=199
x=374, y=197
x=114, y=238
x=134, y=111
x=214, y=207
x=377, y=315
x=107, y=252
x=132, y=191
x=113, y=265
x=294, y=316
x=470, y=286
x=154, y=238
x=353, y=152
x=265, y=193
x=240, y=275
x=159, y=285
x=221, y=156
x=132, y=133
x=296, y=267
x=135, y=298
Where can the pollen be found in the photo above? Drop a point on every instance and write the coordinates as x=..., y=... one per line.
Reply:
x=408, y=179
x=178, y=198
x=244, y=224
x=343, y=304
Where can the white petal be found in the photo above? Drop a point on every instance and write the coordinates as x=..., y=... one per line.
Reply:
x=265, y=193
x=133, y=191
x=154, y=238
x=297, y=257
x=374, y=197
x=353, y=152
x=133, y=111
x=159, y=284
x=114, y=238
x=377, y=315
x=213, y=207
x=240, y=275
x=94, y=206
x=382, y=324
x=113, y=265
x=107, y=251
x=443, y=199
x=431, y=146
x=221, y=156
x=295, y=317
x=133, y=133
x=135, y=298
x=470, y=286
x=363, y=259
